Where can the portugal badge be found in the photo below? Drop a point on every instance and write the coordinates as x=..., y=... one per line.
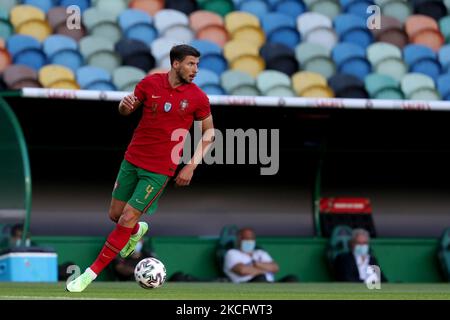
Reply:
x=167, y=106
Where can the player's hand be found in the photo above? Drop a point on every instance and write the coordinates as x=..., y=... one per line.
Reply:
x=184, y=176
x=127, y=104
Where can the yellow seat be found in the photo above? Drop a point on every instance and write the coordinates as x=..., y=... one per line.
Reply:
x=318, y=92
x=239, y=19
x=23, y=13
x=37, y=29
x=250, y=34
x=250, y=64
x=51, y=74
x=65, y=84
x=303, y=80
x=235, y=48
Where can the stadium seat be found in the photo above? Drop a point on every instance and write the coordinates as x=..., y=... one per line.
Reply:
x=387, y=59
x=6, y=28
x=185, y=6
x=30, y=20
x=279, y=57
x=50, y=75
x=432, y=8
x=161, y=49
x=315, y=58
x=444, y=26
x=351, y=59
x=5, y=59
x=173, y=24
x=310, y=84
x=380, y=86
x=444, y=58
x=253, y=65
x=82, y=4
x=99, y=52
x=391, y=31
x=234, y=49
x=347, y=86
x=63, y=50
x=101, y=24
x=356, y=7
x=9, y=4
x=221, y=7
x=209, y=26
x=293, y=8
x=398, y=9
x=351, y=28
x=274, y=83
x=16, y=75
x=94, y=78
x=238, y=83
x=113, y=7
x=151, y=7
x=424, y=30
x=44, y=5
x=57, y=17
x=317, y=28
x=236, y=20
x=444, y=253
x=137, y=25
x=26, y=50
x=136, y=54
x=338, y=243
x=125, y=78
x=209, y=81
x=443, y=86
x=244, y=56
x=416, y=86
x=422, y=59
x=212, y=57
x=255, y=7
x=329, y=8
x=280, y=28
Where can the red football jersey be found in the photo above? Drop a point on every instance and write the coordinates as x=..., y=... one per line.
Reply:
x=166, y=109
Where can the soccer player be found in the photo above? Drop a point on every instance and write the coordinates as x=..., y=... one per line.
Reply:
x=170, y=101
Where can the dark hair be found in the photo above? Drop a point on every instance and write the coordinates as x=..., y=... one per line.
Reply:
x=181, y=51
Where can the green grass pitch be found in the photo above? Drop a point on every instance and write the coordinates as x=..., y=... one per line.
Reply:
x=227, y=291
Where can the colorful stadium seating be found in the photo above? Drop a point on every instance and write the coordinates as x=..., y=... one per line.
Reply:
x=249, y=47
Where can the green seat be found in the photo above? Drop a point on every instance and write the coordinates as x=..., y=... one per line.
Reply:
x=125, y=78
x=245, y=91
x=444, y=253
x=315, y=58
x=232, y=80
x=390, y=94
x=280, y=91
x=339, y=243
x=418, y=86
x=227, y=240
x=324, y=66
x=393, y=67
x=7, y=5
x=329, y=8
x=102, y=24
x=269, y=79
x=6, y=29
x=444, y=26
x=376, y=83
x=113, y=7
x=221, y=7
x=99, y=52
x=380, y=51
x=398, y=9
x=447, y=4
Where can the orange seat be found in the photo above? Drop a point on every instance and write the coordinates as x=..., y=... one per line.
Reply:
x=2, y=43
x=201, y=19
x=5, y=59
x=214, y=33
x=417, y=23
x=430, y=38
x=149, y=6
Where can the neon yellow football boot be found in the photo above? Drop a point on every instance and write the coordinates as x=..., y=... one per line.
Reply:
x=134, y=239
x=81, y=283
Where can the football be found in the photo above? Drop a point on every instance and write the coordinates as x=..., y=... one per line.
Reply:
x=150, y=273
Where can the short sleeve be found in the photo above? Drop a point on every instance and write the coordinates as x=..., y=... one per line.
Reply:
x=230, y=260
x=141, y=89
x=264, y=256
x=203, y=109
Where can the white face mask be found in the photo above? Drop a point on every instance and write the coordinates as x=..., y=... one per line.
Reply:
x=248, y=245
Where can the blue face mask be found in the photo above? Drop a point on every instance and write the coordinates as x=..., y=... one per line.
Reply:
x=361, y=249
x=248, y=245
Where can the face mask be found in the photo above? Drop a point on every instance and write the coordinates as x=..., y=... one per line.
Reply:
x=361, y=249
x=248, y=245
x=139, y=246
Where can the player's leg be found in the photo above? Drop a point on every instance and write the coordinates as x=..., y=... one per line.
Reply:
x=116, y=209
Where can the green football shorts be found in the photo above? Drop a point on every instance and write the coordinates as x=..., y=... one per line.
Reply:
x=140, y=188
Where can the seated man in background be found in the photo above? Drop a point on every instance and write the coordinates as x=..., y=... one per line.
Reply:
x=123, y=268
x=353, y=266
x=248, y=264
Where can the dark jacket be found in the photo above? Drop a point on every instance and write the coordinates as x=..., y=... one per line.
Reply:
x=345, y=268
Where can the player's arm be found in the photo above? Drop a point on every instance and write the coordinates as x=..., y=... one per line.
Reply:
x=271, y=267
x=129, y=104
x=246, y=270
x=185, y=175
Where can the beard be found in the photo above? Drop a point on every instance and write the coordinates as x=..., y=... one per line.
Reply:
x=181, y=78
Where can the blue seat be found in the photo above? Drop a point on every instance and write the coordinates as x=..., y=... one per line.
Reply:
x=422, y=59
x=206, y=47
x=26, y=50
x=443, y=86
x=206, y=77
x=444, y=57
x=131, y=17
x=356, y=7
x=292, y=8
x=344, y=51
x=213, y=89
x=71, y=59
x=101, y=86
x=255, y=7
x=352, y=28
x=82, y=4
x=44, y=5
x=56, y=43
x=143, y=32
x=280, y=28
x=212, y=57
x=88, y=75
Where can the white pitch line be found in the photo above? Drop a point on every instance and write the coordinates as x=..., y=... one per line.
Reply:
x=51, y=298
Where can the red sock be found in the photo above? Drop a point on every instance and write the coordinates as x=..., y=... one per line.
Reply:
x=135, y=229
x=116, y=240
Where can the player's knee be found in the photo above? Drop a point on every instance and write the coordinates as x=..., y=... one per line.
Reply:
x=114, y=215
x=129, y=216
